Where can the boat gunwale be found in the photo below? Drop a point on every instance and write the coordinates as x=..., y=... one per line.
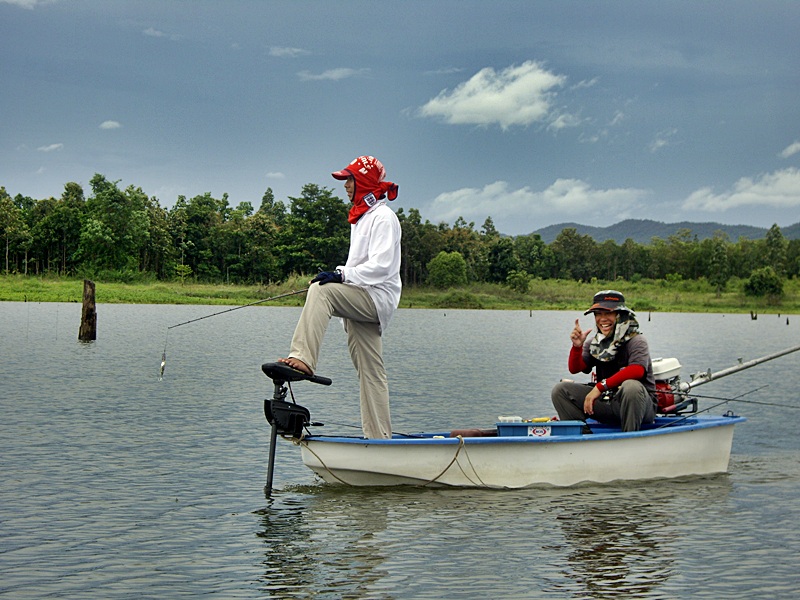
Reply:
x=661, y=427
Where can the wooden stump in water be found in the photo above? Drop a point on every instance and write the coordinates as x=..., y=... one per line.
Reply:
x=88, y=330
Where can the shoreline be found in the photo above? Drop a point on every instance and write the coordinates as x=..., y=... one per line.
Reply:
x=643, y=296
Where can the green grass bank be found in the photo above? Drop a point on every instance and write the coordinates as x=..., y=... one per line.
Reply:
x=642, y=296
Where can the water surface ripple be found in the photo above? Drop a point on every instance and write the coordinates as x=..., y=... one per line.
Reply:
x=118, y=485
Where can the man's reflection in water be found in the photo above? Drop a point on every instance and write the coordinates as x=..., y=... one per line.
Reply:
x=620, y=537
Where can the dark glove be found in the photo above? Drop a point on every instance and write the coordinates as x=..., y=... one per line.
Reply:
x=328, y=277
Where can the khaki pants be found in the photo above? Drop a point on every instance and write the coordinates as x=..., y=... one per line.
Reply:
x=630, y=406
x=353, y=304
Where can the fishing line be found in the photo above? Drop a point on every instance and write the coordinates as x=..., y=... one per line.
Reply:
x=351, y=426
x=222, y=312
x=724, y=401
x=687, y=394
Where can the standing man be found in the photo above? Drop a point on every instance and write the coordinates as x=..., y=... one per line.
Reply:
x=625, y=391
x=364, y=292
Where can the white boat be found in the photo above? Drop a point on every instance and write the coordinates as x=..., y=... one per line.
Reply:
x=516, y=453
x=671, y=447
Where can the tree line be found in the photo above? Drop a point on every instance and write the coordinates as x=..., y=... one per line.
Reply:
x=119, y=234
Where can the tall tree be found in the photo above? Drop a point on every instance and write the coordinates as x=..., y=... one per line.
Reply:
x=420, y=243
x=203, y=248
x=12, y=225
x=793, y=258
x=115, y=227
x=575, y=255
x=776, y=246
x=463, y=238
x=535, y=257
x=634, y=259
x=718, y=266
x=158, y=253
x=274, y=209
x=259, y=260
x=70, y=213
x=502, y=259
x=317, y=233
x=234, y=242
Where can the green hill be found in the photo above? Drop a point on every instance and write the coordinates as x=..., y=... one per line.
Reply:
x=642, y=231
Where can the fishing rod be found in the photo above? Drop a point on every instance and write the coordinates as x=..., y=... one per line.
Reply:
x=682, y=388
x=293, y=293
x=222, y=312
x=701, y=378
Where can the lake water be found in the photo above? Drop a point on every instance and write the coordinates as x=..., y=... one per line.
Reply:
x=118, y=485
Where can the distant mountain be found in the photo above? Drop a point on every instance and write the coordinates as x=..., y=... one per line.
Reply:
x=642, y=231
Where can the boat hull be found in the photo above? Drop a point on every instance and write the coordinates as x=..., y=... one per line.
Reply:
x=670, y=448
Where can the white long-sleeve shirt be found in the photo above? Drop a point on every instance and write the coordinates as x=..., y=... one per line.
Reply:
x=374, y=259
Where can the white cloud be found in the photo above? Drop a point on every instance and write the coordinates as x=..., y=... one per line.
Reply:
x=29, y=4
x=618, y=118
x=586, y=83
x=285, y=52
x=332, y=74
x=663, y=139
x=275, y=175
x=152, y=32
x=110, y=125
x=445, y=71
x=157, y=33
x=50, y=148
x=517, y=95
x=571, y=197
x=791, y=150
x=564, y=120
x=780, y=189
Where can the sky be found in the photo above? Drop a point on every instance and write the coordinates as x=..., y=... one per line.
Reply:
x=533, y=113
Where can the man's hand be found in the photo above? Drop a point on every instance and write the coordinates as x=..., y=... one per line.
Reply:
x=578, y=336
x=328, y=277
x=588, y=402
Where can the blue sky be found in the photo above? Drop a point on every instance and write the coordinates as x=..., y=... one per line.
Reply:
x=533, y=112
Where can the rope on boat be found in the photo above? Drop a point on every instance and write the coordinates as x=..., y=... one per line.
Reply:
x=474, y=470
x=302, y=442
x=461, y=444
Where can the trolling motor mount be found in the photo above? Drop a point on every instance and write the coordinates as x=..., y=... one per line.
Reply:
x=286, y=418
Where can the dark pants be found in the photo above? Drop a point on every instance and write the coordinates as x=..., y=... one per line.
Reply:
x=630, y=406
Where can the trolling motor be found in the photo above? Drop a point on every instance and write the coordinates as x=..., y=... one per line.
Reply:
x=286, y=418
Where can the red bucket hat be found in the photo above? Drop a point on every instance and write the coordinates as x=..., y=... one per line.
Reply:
x=369, y=175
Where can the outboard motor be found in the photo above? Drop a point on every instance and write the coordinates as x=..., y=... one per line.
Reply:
x=286, y=418
x=667, y=373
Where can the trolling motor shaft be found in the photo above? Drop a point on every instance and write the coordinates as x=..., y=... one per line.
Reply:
x=286, y=418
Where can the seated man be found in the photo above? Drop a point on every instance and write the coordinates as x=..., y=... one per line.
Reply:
x=625, y=390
